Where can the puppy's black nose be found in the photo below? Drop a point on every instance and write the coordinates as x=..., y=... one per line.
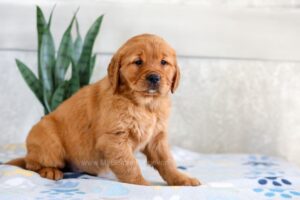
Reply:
x=153, y=78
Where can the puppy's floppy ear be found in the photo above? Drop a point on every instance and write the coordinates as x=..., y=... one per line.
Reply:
x=176, y=79
x=113, y=71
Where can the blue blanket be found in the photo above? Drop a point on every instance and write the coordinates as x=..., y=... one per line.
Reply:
x=223, y=177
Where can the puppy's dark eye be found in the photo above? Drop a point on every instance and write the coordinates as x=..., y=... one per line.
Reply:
x=163, y=62
x=138, y=62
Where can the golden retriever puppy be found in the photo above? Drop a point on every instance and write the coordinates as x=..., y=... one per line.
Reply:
x=101, y=126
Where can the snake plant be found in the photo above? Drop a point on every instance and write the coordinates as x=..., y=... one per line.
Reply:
x=50, y=86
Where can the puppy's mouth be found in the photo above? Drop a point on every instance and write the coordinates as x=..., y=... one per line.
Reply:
x=149, y=89
x=153, y=89
x=151, y=92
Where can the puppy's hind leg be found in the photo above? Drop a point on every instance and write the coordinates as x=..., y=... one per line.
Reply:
x=45, y=150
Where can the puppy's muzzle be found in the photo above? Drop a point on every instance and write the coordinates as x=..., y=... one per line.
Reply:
x=153, y=80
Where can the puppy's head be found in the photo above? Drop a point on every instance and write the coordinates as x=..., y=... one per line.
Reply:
x=145, y=65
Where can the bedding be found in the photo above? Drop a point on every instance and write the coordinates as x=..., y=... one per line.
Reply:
x=223, y=177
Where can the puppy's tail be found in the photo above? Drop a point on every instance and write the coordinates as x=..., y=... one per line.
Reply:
x=18, y=162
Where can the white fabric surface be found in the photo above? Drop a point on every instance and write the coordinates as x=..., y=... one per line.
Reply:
x=223, y=177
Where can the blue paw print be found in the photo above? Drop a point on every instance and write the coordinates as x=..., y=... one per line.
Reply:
x=274, y=192
x=65, y=188
x=276, y=181
x=257, y=173
x=259, y=161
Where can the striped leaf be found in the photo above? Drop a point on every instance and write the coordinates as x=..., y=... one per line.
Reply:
x=92, y=66
x=40, y=25
x=77, y=45
x=58, y=96
x=84, y=60
x=33, y=83
x=47, y=58
x=47, y=106
x=63, y=55
x=50, y=18
x=74, y=83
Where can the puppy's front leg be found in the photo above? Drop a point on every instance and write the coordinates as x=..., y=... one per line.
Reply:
x=121, y=160
x=159, y=156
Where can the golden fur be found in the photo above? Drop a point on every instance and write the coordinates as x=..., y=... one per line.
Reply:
x=100, y=127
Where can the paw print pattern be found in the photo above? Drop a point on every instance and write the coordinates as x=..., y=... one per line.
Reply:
x=61, y=190
x=259, y=161
x=274, y=180
x=277, y=192
x=261, y=166
x=257, y=173
x=276, y=185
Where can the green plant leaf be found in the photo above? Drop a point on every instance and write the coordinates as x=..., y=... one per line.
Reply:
x=63, y=55
x=77, y=49
x=47, y=58
x=92, y=66
x=74, y=82
x=46, y=103
x=50, y=87
x=50, y=18
x=33, y=83
x=77, y=45
x=58, y=96
x=84, y=60
x=40, y=25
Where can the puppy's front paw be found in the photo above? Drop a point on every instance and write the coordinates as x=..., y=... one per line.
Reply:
x=136, y=181
x=51, y=173
x=184, y=180
x=146, y=183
